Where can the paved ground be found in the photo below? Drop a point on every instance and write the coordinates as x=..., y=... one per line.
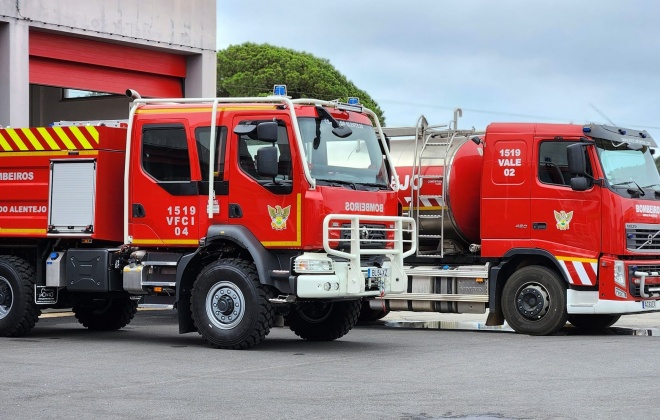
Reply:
x=638, y=322
x=148, y=371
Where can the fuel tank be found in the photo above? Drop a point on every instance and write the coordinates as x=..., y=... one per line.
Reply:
x=451, y=168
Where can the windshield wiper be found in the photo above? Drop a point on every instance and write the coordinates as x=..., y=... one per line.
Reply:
x=641, y=191
x=655, y=191
x=373, y=184
x=337, y=183
x=365, y=186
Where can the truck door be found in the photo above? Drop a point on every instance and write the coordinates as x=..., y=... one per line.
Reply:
x=505, y=208
x=164, y=201
x=565, y=222
x=270, y=208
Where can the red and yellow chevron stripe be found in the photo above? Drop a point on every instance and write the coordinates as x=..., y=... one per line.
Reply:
x=49, y=139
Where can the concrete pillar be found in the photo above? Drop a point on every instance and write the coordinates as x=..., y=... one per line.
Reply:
x=14, y=74
x=201, y=75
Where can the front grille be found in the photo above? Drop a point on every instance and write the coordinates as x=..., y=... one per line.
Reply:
x=642, y=237
x=634, y=288
x=371, y=236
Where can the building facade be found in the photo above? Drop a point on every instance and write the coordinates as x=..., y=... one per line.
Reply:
x=73, y=60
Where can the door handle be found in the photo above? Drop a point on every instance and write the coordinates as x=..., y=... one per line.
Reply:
x=235, y=211
x=539, y=225
x=138, y=210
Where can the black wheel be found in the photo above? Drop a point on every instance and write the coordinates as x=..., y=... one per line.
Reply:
x=230, y=307
x=18, y=312
x=367, y=314
x=534, y=301
x=108, y=314
x=593, y=322
x=323, y=321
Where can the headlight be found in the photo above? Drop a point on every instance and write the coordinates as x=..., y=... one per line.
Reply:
x=619, y=273
x=313, y=263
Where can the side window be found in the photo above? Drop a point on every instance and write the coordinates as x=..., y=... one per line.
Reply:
x=553, y=163
x=203, y=145
x=248, y=146
x=165, y=155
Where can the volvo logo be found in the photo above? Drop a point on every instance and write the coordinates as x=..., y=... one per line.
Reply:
x=364, y=233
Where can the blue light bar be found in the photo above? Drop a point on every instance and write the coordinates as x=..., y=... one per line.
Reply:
x=586, y=129
x=279, y=90
x=353, y=100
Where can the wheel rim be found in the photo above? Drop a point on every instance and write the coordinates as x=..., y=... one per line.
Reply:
x=225, y=305
x=532, y=301
x=315, y=312
x=6, y=297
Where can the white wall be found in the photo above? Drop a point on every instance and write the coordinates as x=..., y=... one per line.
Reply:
x=177, y=26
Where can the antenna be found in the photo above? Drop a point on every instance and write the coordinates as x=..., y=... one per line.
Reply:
x=601, y=114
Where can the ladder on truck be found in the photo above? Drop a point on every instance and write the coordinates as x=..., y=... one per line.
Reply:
x=427, y=141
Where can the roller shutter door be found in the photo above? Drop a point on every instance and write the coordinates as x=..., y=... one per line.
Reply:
x=77, y=63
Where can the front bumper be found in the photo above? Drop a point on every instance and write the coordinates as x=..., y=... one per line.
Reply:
x=588, y=302
x=349, y=282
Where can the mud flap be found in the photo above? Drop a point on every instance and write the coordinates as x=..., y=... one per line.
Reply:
x=45, y=295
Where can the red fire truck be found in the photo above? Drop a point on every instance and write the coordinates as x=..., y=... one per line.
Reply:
x=234, y=206
x=536, y=223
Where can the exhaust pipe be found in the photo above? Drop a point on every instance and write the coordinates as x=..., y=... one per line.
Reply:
x=133, y=94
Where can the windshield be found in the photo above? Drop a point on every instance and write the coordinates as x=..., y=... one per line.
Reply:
x=353, y=160
x=627, y=165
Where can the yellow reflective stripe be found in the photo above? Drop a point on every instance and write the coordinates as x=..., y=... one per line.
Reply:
x=42, y=231
x=209, y=109
x=65, y=139
x=17, y=140
x=33, y=140
x=49, y=139
x=81, y=138
x=4, y=143
x=584, y=260
x=49, y=153
x=94, y=133
x=165, y=241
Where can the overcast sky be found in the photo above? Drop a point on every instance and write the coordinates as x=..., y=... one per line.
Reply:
x=499, y=60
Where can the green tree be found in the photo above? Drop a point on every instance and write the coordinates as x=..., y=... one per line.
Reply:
x=253, y=69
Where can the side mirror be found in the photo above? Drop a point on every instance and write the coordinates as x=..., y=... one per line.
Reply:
x=580, y=184
x=267, y=131
x=267, y=161
x=576, y=160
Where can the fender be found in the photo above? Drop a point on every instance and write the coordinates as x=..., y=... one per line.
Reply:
x=493, y=296
x=264, y=260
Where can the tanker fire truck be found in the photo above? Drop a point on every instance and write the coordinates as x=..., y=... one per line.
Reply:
x=234, y=206
x=536, y=223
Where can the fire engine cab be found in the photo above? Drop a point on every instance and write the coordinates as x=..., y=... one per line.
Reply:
x=234, y=206
x=538, y=224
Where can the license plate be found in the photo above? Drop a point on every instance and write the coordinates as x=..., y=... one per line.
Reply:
x=378, y=272
x=648, y=304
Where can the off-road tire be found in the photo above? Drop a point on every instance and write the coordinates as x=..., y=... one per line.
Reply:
x=524, y=291
x=107, y=314
x=18, y=312
x=323, y=321
x=593, y=321
x=230, y=307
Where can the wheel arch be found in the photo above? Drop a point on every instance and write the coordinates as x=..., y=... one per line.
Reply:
x=238, y=241
x=513, y=260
